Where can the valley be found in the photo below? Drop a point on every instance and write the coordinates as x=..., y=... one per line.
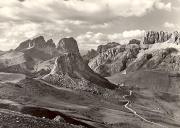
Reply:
x=118, y=86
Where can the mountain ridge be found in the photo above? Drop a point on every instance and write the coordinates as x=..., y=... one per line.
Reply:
x=70, y=66
x=122, y=57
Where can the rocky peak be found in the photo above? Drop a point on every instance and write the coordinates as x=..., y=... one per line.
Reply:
x=90, y=55
x=23, y=45
x=135, y=41
x=104, y=48
x=68, y=63
x=38, y=42
x=68, y=45
x=50, y=43
x=114, y=60
x=70, y=66
x=152, y=37
x=175, y=37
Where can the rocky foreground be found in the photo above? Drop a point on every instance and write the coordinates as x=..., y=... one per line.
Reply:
x=9, y=119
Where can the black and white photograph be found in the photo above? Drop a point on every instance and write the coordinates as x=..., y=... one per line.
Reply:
x=89, y=63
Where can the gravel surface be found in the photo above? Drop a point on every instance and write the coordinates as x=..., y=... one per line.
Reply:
x=9, y=119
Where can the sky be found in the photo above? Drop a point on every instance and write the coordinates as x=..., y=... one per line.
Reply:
x=90, y=22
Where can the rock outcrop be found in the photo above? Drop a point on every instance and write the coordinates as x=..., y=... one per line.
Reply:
x=104, y=48
x=115, y=59
x=101, y=48
x=39, y=44
x=135, y=41
x=27, y=55
x=163, y=59
x=71, y=71
x=152, y=37
x=68, y=45
x=90, y=55
x=126, y=57
x=175, y=38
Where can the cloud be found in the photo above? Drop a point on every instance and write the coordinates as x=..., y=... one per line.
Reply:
x=163, y=6
x=91, y=40
x=22, y=19
x=91, y=10
x=12, y=34
x=97, y=26
x=171, y=26
x=133, y=33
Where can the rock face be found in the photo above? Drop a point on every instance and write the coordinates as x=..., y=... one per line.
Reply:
x=104, y=48
x=101, y=48
x=126, y=57
x=136, y=65
x=24, y=45
x=115, y=59
x=163, y=59
x=71, y=71
x=152, y=37
x=27, y=55
x=90, y=55
x=68, y=45
x=175, y=37
x=39, y=44
x=135, y=41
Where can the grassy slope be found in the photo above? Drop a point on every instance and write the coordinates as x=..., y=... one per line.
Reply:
x=78, y=104
x=155, y=95
x=84, y=105
x=9, y=119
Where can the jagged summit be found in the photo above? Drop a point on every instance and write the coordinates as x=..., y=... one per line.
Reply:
x=38, y=42
x=50, y=43
x=103, y=48
x=27, y=55
x=152, y=37
x=68, y=45
x=127, y=56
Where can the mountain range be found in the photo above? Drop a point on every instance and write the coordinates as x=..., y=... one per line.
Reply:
x=157, y=50
x=134, y=85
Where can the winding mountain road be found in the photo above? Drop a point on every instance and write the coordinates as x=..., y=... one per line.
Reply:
x=135, y=113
